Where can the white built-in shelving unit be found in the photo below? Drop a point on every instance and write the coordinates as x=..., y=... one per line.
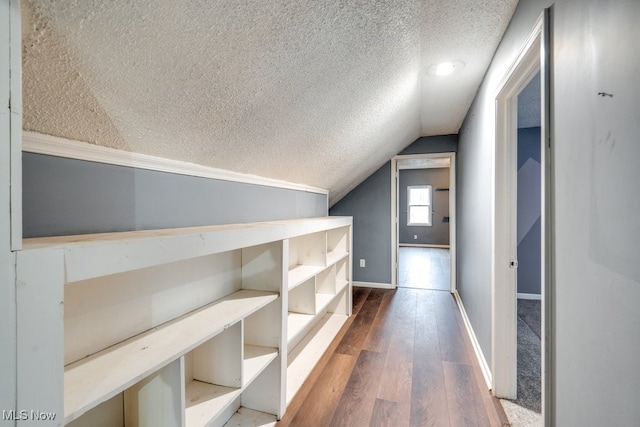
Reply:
x=197, y=326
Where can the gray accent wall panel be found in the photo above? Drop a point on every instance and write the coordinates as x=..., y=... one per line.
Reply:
x=66, y=196
x=529, y=251
x=438, y=232
x=528, y=212
x=370, y=206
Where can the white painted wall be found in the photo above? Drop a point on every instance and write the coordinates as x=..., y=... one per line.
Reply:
x=7, y=261
x=597, y=203
x=597, y=282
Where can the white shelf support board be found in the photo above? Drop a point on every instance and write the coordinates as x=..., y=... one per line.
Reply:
x=40, y=336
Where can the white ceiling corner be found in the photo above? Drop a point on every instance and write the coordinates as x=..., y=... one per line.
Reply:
x=315, y=93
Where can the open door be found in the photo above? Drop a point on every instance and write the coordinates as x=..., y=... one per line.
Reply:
x=534, y=58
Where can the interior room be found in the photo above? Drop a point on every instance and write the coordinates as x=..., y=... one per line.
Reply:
x=203, y=207
x=423, y=223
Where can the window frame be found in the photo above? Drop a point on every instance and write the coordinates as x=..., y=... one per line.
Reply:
x=429, y=206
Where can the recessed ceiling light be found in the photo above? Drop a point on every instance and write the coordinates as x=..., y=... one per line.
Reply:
x=444, y=68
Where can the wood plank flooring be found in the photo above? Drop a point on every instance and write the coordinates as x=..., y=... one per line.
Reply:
x=424, y=268
x=402, y=359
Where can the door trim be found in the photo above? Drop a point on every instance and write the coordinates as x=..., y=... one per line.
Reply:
x=534, y=57
x=452, y=213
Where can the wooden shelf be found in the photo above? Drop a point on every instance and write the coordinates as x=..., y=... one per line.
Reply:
x=205, y=401
x=297, y=323
x=186, y=324
x=302, y=273
x=256, y=359
x=323, y=301
x=308, y=352
x=249, y=417
x=341, y=285
x=336, y=256
x=86, y=384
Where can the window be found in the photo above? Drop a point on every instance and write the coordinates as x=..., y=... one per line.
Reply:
x=419, y=205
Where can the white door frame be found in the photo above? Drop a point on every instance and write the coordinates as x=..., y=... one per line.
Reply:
x=395, y=212
x=533, y=57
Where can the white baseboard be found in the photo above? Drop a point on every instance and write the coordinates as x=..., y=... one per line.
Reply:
x=374, y=285
x=529, y=296
x=482, y=361
x=421, y=245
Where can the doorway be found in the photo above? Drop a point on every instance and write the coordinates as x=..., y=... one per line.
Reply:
x=509, y=230
x=423, y=221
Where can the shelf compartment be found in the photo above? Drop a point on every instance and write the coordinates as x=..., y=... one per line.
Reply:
x=264, y=393
x=337, y=244
x=326, y=281
x=341, y=303
x=158, y=399
x=249, y=417
x=255, y=360
x=302, y=298
x=213, y=373
x=85, y=384
x=308, y=250
x=301, y=273
x=108, y=413
x=262, y=332
x=335, y=256
x=206, y=402
x=104, y=311
x=262, y=267
x=342, y=270
x=322, y=302
x=298, y=324
x=305, y=355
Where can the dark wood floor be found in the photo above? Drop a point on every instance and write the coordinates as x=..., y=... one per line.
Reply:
x=402, y=359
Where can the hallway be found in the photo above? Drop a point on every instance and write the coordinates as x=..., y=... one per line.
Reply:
x=402, y=359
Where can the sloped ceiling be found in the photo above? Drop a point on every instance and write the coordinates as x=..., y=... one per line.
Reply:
x=320, y=93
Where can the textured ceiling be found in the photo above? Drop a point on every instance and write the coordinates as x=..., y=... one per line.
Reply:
x=320, y=93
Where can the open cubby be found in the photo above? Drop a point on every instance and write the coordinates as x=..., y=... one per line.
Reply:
x=184, y=327
x=338, y=244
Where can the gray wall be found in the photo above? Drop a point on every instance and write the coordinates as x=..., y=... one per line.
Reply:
x=595, y=311
x=438, y=232
x=67, y=196
x=370, y=206
x=433, y=144
x=529, y=220
x=475, y=178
